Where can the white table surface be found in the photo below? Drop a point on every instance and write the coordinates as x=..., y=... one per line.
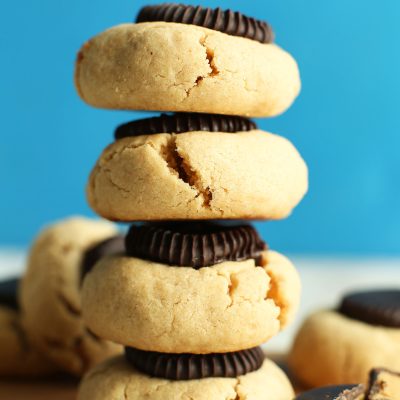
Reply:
x=324, y=280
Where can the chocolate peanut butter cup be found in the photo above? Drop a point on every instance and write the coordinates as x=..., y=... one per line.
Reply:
x=195, y=366
x=193, y=244
x=230, y=22
x=111, y=246
x=379, y=307
x=341, y=392
x=184, y=122
x=8, y=293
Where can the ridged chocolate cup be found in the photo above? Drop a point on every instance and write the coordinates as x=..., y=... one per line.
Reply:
x=184, y=122
x=228, y=21
x=379, y=307
x=195, y=366
x=193, y=244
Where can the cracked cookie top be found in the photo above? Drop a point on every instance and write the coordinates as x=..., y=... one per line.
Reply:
x=193, y=244
x=197, y=176
x=195, y=366
x=185, y=122
x=226, y=21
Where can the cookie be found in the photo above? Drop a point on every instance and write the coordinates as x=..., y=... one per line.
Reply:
x=333, y=349
x=17, y=357
x=116, y=379
x=223, y=308
x=167, y=66
x=198, y=175
x=50, y=294
x=341, y=392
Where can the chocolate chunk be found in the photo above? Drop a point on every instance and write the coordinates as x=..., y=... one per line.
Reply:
x=193, y=244
x=184, y=122
x=341, y=392
x=230, y=22
x=111, y=246
x=383, y=385
x=380, y=307
x=195, y=366
x=8, y=293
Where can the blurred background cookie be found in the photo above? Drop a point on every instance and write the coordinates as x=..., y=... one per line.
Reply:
x=17, y=356
x=50, y=293
x=341, y=346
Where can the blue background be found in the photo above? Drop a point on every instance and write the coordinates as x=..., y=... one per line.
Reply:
x=346, y=122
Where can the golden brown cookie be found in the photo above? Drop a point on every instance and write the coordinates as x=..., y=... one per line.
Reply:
x=198, y=175
x=157, y=307
x=116, y=379
x=332, y=349
x=50, y=294
x=179, y=67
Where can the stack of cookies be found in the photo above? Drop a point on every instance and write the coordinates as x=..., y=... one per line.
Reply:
x=197, y=291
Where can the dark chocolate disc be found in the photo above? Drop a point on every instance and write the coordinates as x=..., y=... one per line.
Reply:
x=379, y=307
x=195, y=366
x=111, y=246
x=341, y=392
x=227, y=21
x=8, y=293
x=193, y=244
x=184, y=122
